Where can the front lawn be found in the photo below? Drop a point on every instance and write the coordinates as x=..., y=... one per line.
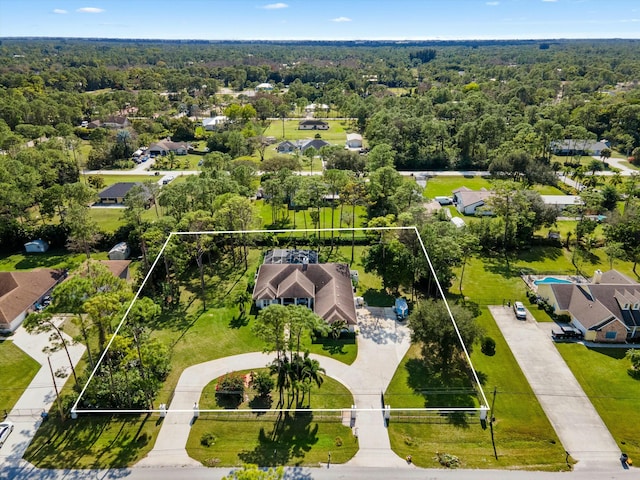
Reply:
x=602, y=373
x=112, y=179
x=443, y=186
x=303, y=438
x=337, y=132
x=523, y=436
x=18, y=369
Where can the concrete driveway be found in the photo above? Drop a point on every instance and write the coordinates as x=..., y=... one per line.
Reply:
x=577, y=423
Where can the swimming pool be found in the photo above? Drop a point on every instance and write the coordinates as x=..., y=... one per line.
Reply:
x=547, y=280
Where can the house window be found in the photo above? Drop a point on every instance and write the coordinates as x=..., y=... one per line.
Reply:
x=610, y=335
x=635, y=306
x=625, y=306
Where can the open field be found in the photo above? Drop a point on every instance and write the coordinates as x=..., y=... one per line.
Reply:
x=443, y=186
x=18, y=369
x=337, y=132
x=602, y=373
x=49, y=259
x=301, y=439
x=112, y=179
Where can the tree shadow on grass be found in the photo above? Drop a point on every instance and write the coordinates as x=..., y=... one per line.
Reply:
x=239, y=321
x=288, y=442
x=378, y=298
x=110, y=442
x=335, y=346
x=447, y=389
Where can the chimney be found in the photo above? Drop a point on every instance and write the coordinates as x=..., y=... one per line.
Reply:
x=305, y=263
x=597, y=276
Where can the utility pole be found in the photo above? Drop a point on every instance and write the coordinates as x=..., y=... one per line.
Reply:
x=55, y=386
x=493, y=402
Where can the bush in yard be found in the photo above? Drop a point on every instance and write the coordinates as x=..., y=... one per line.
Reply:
x=447, y=460
x=263, y=383
x=207, y=439
x=230, y=390
x=488, y=346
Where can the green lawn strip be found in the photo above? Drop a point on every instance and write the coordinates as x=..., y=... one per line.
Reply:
x=524, y=438
x=111, y=218
x=18, y=369
x=49, y=259
x=299, y=439
x=628, y=165
x=442, y=186
x=112, y=179
x=547, y=190
x=602, y=373
x=92, y=441
x=336, y=134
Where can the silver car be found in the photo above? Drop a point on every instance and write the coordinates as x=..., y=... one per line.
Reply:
x=520, y=311
x=5, y=430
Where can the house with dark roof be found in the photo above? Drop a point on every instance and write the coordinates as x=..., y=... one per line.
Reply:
x=313, y=124
x=116, y=193
x=578, y=147
x=325, y=288
x=22, y=292
x=116, y=121
x=289, y=146
x=468, y=201
x=607, y=309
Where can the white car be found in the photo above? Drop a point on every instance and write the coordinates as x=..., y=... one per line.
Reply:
x=168, y=179
x=520, y=311
x=5, y=430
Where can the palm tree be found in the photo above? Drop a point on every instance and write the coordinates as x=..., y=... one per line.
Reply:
x=312, y=373
x=616, y=179
x=124, y=137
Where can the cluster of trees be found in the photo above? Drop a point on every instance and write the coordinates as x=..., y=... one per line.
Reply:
x=133, y=368
x=283, y=329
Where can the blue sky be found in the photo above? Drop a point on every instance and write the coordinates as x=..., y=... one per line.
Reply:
x=322, y=19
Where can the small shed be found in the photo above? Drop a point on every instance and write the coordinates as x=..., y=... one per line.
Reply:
x=458, y=222
x=36, y=246
x=120, y=251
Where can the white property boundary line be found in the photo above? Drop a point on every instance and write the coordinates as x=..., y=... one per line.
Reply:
x=482, y=408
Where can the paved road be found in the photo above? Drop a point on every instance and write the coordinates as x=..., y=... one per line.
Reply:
x=571, y=413
x=382, y=343
x=39, y=395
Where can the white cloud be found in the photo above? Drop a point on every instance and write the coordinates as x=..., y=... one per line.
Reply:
x=90, y=10
x=341, y=19
x=493, y=4
x=275, y=6
x=550, y=1
x=59, y=11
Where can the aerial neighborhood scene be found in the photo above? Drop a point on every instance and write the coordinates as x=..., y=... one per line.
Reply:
x=375, y=240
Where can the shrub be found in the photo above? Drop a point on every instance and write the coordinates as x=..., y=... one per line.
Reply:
x=488, y=346
x=230, y=390
x=263, y=383
x=563, y=318
x=338, y=442
x=207, y=439
x=448, y=460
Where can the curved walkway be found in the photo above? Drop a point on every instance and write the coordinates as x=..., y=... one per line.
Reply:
x=382, y=343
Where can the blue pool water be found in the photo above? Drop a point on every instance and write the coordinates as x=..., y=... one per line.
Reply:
x=547, y=280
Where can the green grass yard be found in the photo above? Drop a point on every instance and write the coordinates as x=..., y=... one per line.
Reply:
x=524, y=438
x=305, y=439
x=336, y=134
x=18, y=369
x=442, y=186
x=49, y=259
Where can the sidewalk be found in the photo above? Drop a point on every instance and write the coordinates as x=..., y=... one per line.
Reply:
x=39, y=395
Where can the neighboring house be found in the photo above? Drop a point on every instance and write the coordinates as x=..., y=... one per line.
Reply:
x=605, y=310
x=119, y=268
x=116, y=193
x=22, y=292
x=289, y=146
x=36, y=246
x=212, y=123
x=120, y=251
x=354, y=141
x=561, y=201
x=264, y=87
x=325, y=288
x=312, y=124
x=94, y=124
x=578, y=147
x=468, y=201
x=116, y=122
x=163, y=147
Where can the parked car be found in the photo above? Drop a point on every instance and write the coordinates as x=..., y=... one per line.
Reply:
x=566, y=332
x=168, y=179
x=6, y=428
x=520, y=311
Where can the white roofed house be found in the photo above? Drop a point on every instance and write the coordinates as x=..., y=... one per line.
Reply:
x=212, y=123
x=469, y=201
